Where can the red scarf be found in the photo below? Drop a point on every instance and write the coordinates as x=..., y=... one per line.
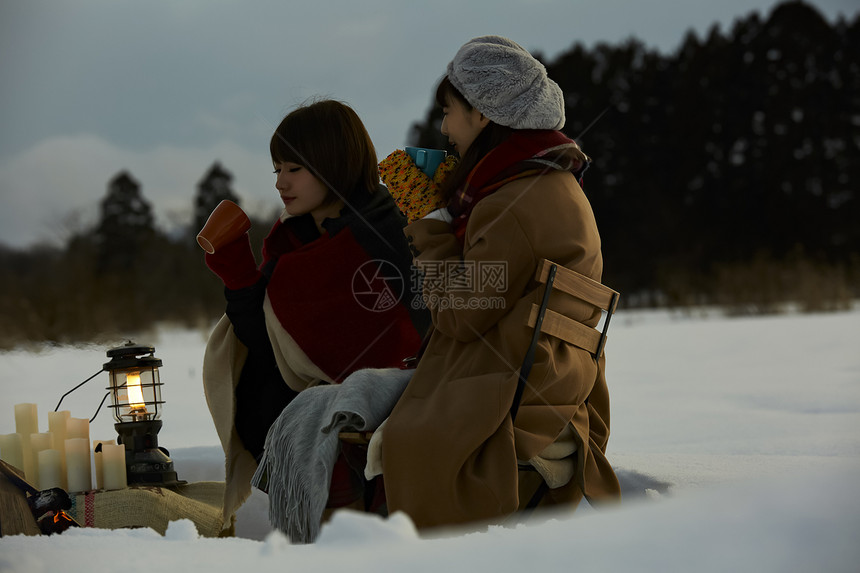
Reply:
x=525, y=153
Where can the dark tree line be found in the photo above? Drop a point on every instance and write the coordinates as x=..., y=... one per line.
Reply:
x=724, y=173
x=727, y=170
x=123, y=275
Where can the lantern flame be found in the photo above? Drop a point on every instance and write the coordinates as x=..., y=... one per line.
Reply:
x=135, y=393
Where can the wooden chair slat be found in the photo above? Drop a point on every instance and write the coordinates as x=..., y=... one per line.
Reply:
x=580, y=286
x=567, y=329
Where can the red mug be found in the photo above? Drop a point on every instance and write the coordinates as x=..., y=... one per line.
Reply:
x=226, y=224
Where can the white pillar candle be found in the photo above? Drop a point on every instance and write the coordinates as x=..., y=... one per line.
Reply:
x=78, y=464
x=57, y=421
x=113, y=461
x=38, y=442
x=78, y=428
x=50, y=469
x=57, y=425
x=12, y=450
x=26, y=419
x=98, y=460
x=26, y=423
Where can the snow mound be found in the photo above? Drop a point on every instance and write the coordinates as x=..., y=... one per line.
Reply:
x=181, y=530
x=354, y=528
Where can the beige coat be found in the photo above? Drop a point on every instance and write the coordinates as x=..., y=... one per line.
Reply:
x=222, y=365
x=450, y=451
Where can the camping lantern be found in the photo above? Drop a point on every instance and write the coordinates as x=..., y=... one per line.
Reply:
x=135, y=391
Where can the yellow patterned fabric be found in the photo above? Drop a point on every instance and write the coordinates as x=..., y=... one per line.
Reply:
x=413, y=191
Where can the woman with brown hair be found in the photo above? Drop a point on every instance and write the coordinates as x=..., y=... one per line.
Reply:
x=331, y=296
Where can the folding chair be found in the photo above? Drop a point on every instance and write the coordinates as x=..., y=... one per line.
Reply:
x=547, y=321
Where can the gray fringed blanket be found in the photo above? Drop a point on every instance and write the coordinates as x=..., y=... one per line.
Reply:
x=302, y=444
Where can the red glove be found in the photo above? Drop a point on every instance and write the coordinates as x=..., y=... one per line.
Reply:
x=234, y=263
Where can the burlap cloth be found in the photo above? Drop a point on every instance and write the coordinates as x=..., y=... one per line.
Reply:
x=155, y=507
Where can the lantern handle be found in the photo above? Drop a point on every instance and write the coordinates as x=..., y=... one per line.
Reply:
x=100, y=407
x=75, y=388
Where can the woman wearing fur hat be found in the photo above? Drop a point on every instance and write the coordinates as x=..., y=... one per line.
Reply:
x=304, y=317
x=450, y=451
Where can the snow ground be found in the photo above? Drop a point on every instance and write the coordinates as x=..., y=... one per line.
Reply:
x=737, y=442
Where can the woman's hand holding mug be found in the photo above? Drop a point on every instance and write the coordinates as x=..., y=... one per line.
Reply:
x=225, y=239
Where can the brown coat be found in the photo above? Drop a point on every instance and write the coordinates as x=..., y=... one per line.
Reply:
x=450, y=451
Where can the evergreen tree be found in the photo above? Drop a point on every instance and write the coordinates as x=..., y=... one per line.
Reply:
x=212, y=189
x=126, y=227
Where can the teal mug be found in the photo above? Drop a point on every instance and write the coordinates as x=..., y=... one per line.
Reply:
x=428, y=160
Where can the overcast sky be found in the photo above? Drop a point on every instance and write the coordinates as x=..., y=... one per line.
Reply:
x=164, y=88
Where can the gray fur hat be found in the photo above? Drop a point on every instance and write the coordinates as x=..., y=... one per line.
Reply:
x=504, y=82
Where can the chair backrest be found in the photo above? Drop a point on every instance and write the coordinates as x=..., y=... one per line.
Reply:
x=586, y=289
x=555, y=324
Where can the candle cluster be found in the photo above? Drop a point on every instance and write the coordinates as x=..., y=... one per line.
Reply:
x=63, y=456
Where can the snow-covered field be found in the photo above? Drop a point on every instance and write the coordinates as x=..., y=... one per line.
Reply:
x=737, y=442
